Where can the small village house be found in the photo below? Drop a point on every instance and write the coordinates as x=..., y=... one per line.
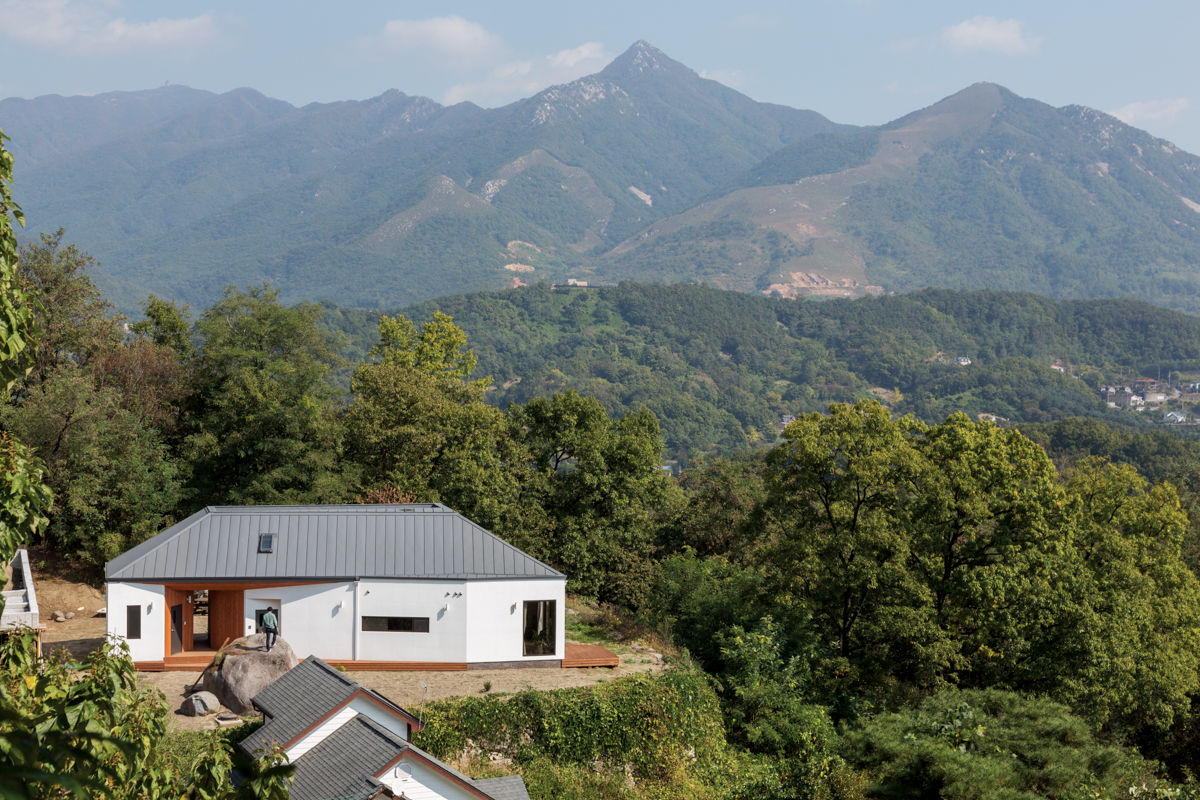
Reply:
x=347, y=741
x=385, y=586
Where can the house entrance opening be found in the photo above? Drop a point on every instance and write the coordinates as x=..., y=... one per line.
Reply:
x=258, y=613
x=176, y=629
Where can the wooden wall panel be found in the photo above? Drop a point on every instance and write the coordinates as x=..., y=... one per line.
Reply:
x=176, y=597
x=225, y=615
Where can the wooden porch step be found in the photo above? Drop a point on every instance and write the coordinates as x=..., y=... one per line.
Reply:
x=589, y=655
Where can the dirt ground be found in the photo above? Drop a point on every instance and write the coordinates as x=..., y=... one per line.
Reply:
x=410, y=689
x=80, y=635
x=84, y=633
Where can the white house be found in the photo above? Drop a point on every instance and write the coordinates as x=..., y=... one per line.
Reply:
x=405, y=586
x=347, y=741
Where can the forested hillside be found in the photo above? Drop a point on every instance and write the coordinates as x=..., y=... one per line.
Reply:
x=721, y=369
x=870, y=604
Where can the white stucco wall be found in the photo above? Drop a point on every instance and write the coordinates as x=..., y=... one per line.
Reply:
x=419, y=781
x=446, y=640
x=153, y=602
x=469, y=621
x=317, y=619
x=496, y=619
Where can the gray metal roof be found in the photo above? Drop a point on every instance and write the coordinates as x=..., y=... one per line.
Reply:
x=300, y=697
x=426, y=540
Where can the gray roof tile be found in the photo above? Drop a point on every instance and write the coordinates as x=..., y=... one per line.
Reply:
x=426, y=540
x=300, y=697
x=343, y=764
x=509, y=787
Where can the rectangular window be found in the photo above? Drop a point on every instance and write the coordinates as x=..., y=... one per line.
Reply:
x=403, y=624
x=133, y=622
x=266, y=543
x=541, y=634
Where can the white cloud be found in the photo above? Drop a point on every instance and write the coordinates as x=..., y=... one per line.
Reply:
x=87, y=26
x=454, y=41
x=990, y=34
x=1152, y=111
x=521, y=78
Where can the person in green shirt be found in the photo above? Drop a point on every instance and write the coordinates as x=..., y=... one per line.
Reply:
x=270, y=624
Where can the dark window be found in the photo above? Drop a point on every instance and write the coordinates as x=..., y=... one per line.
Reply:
x=266, y=543
x=405, y=624
x=540, y=634
x=133, y=622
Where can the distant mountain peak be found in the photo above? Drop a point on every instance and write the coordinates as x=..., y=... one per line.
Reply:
x=641, y=58
x=569, y=99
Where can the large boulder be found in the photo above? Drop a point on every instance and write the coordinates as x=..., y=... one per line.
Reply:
x=243, y=668
x=200, y=704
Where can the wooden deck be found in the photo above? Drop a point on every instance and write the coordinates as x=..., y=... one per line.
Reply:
x=197, y=660
x=578, y=655
x=589, y=655
x=398, y=666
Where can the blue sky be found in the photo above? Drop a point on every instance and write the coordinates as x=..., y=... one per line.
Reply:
x=856, y=61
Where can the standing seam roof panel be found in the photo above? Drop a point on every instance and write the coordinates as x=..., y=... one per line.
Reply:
x=190, y=559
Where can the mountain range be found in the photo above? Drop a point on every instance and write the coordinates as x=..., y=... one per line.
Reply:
x=643, y=171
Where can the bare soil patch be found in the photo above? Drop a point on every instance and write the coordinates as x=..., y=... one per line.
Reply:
x=86, y=630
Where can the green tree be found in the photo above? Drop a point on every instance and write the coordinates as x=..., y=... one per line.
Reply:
x=418, y=426
x=988, y=529
x=763, y=693
x=67, y=729
x=17, y=308
x=167, y=324
x=439, y=348
x=115, y=481
x=990, y=745
x=262, y=425
x=92, y=408
x=601, y=482
x=836, y=488
x=718, y=516
x=75, y=320
x=1142, y=662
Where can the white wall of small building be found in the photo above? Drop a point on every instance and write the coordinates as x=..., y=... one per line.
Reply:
x=420, y=781
x=359, y=705
x=495, y=623
x=152, y=602
x=316, y=619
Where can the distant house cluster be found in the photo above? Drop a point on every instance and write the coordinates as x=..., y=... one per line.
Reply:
x=1151, y=395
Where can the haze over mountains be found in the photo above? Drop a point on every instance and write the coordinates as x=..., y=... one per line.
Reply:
x=644, y=170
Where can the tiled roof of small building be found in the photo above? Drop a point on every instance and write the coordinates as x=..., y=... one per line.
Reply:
x=300, y=698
